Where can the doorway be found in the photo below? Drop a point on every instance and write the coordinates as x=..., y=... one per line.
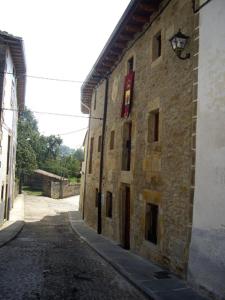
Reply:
x=125, y=217
x=6, y=210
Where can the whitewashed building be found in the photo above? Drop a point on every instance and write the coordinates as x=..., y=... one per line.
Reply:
x=207, y=249
x=12, y=95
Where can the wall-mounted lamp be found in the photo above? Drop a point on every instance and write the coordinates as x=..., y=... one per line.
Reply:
x=178, y=43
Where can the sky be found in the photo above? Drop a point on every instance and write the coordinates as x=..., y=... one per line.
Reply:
x=63, y=39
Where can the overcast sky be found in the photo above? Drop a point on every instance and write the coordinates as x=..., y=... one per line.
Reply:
x=62, y=40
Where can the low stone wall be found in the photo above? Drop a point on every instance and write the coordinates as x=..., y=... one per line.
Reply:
x=46, y=188
x=57, y=190
x=70, y=190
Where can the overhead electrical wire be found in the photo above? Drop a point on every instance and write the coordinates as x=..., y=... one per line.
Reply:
x=74, y=131
x=55, y=114
x=44, y=78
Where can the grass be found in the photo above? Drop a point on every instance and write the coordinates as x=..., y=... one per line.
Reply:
x=74, y=180
x=29, y=191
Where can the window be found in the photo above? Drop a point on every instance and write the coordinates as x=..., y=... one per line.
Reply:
x=112, y=136
x=130, y=65
x=91, y=154
x=2, y=193
x=95, y=99
x=157, y=46
x=109, y=204
x=126, y=155
x=151, y=223
x=96, y=197
x=153, y=126
x=8, y=154
x=99, y=143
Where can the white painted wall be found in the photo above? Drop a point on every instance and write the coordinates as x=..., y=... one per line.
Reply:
x=207, y=251
x=9, y=127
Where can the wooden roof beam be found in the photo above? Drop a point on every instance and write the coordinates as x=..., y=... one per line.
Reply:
x=148, y=7
x=125, y=36
x=133, y=28
x=141, y=18
x=120, y=44
x=107, y=63
x=109, y=59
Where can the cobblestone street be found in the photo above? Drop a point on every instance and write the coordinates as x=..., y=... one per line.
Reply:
x=48, y=260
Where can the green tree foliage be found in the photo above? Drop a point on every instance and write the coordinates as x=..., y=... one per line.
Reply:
x=44, y=152
x=27, y=141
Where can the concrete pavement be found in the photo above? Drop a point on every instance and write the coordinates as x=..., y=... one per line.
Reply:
x=153, y=281
x=11, y=228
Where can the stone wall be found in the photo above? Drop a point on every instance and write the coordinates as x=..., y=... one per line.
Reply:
x=160, y=171
x=59, y=190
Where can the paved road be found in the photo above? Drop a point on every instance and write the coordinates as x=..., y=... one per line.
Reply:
x=49, y=261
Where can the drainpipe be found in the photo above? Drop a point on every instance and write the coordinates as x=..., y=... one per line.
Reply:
x=99, y=225
x=87, y=151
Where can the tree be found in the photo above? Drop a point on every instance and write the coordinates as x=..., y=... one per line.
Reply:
x=43, y=152
x=79, y=154
x=27, y=137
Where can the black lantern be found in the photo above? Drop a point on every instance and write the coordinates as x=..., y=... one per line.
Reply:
x=178, y=43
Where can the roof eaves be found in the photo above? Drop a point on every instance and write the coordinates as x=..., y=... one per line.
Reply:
x=101, y=69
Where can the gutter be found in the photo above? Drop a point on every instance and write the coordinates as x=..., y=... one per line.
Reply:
x=85, y=175
x=99, y=220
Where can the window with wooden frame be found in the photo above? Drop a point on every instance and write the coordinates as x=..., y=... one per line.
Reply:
x=109, y=204
x=91, y=155
x=157, y=46
x=151, y=223
x=112, y=137
x=99, y=143
x=153, y=126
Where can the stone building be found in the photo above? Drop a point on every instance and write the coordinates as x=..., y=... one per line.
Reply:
x=141, y=151
x=52, y=185
x=12, y=97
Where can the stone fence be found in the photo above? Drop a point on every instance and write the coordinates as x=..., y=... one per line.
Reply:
x=59, y=190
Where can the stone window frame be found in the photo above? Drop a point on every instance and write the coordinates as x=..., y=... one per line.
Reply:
x=112, y=140
x=126, y=153
x=131, y=55
x=109, y=205
x=153, y=197
x=153, y=106
x=153, y=131
x=155, y=60
x=152, y=241
x=157, y=45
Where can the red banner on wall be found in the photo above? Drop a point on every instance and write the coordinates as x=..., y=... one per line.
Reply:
x=128, y=94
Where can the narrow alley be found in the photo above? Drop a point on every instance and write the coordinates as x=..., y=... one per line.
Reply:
x=47, y=260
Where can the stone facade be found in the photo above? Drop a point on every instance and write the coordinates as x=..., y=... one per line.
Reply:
x=60, y=190
x=160, y=172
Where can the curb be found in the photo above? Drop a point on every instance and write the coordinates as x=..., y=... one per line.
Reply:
x=12, y=228
x=14, y=235
x=117, y=267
